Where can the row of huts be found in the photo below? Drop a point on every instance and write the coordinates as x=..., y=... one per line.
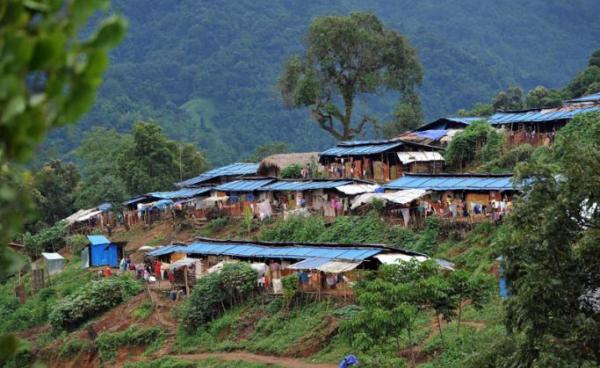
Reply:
x=371, y=170
x=321, y=268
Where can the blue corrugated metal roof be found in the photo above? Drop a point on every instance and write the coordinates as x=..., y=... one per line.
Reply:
x=98, y=239
x=433, y=134
x=442, y=123
x=135, y=200
x=167, y=249
x=588, y=98
x=447, y=182
x=304, y=185
x=465, y=119
x=359, y=149
x=262, y=251
x=236, y=169
x=537, y=116
x=242, y=185
x=182, y=193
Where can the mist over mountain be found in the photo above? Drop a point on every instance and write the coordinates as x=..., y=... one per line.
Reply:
x=206, y=70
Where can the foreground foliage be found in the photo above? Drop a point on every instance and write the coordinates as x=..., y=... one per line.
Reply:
x=552, y=247
x=391, y=303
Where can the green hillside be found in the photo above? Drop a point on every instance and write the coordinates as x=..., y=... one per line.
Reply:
x=229, y=54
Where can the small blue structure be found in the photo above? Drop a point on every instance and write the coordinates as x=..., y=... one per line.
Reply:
x=348, y=361
x=101, y=252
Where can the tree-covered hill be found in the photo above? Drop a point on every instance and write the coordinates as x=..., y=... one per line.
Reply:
x=206, y=70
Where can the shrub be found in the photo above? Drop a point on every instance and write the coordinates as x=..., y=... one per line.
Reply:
x=108, y=342
x=476, y=143
x=428, y=240
x=73, y=347
x=293, y=171
x=76, y=243
x=290, y=288
x=216, y=291
x=296, y=228
x=143, y=311
x=92, y=300
x=47, y=239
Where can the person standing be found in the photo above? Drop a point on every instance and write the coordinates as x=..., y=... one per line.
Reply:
x=157, y=271
x=123, y=265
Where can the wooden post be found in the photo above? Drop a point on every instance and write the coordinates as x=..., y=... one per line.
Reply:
x=185, y=277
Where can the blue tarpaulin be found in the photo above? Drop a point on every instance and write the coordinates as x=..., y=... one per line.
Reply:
x=304, y=185
x=450, y=182
x=249, y=250
x=236, y=169
x=434, y=134
x=242, y=185
x=588, y=98
x=102, y=252
x=343, y=150
x=182, y=193
x=537, y=116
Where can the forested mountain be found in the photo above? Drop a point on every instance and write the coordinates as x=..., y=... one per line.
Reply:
x=206, y=70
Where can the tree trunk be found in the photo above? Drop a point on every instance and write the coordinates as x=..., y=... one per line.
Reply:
x=440, y=328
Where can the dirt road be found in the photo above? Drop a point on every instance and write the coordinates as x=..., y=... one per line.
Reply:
x=253, y=358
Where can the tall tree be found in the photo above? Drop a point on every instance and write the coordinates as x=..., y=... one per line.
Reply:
x=552, y=253
x=408, y=116
x=541, y=97
x=49, y=77
x=345, y=57
x=54, y=191
x=588, y=80
x=154, y=162
x=511, y=99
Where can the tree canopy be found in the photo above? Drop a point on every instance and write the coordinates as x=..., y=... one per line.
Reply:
x=154, y=162
x=345, y=57
x=54, y=187
x=551, y=250
x=49, y=77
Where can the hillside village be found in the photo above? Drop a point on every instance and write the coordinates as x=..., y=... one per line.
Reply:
x=355, y=235
x=170, y=239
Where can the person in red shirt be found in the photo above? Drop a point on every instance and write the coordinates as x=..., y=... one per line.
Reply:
x=157, y=271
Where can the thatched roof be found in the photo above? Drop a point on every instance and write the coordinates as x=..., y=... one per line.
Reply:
x=282, y=160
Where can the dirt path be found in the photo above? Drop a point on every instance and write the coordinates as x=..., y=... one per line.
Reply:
x=254, y=358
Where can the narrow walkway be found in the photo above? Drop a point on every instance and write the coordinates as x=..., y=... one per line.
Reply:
x=253, y=358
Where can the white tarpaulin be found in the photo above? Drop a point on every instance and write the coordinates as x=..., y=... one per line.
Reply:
x=338, y=266
x=325, y=265
x=421, y=156
x=353, y=189
x=216, y=199
x=400, y=197
x=82, y=215
x=219, y=266
x=394, y=258
x=264, y=210
x=186, y=262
